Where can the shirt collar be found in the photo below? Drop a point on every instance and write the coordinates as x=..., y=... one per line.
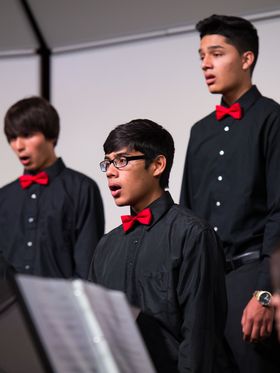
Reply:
x=159, y=207
x=247, y=99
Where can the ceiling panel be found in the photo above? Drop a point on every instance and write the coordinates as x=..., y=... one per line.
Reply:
x=16, y=35
x=70, y=23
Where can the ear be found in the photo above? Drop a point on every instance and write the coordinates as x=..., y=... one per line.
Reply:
x=158, y=165
x=247, y=60
x=51, y=142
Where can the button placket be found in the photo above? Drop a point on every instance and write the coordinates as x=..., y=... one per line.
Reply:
x=220, y=174
x=132, y=253
x=30, y=226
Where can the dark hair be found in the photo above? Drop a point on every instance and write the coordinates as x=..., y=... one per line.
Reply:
x=34, y=114
x=238, y=31
x=147, y=137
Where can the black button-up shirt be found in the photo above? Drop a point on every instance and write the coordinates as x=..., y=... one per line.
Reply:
x=232, y=177
x=172, y=270
x=51, y=230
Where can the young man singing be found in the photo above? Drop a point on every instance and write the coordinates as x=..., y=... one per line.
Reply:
x=51, y=218
x=167, y=261
x=232, y=179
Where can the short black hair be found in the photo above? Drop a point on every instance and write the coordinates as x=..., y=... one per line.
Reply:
x=238, y=31
x=147, y=137
x=30, y=115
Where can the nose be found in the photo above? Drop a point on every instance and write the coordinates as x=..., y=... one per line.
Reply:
x=18, y=144
x=111, y=171
x=206, y=62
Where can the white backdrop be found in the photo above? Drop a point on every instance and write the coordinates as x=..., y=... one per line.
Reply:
x=158, y=79
x=18, y=78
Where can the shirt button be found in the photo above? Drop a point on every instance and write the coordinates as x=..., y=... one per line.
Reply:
x=33, y=196
x=221, y=152
x=226, y=128
x=218, y=203
x=215, y=229
x=30, y=220
x=29, y=243
x=220, y=178
x=135, y=242
x=27, y=266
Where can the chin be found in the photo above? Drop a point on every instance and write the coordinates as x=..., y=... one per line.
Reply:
x=214, y=90
x=120, y=203
x=29, y=168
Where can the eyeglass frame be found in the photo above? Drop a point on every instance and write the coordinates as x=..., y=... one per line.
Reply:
x=127, y=158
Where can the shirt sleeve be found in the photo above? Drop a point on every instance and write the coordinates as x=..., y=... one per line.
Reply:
x=202, y=298
x=89, y=226
x=271, y=150
x=186, y=185
x=97, y=260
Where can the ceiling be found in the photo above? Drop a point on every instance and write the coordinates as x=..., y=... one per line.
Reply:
x=71, y=24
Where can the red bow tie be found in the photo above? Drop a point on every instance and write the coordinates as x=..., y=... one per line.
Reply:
x=27, y=180
x=144, y=217
x=234, y=111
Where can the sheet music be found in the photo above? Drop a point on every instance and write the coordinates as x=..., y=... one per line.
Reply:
x=83, y=327
x=116, y=319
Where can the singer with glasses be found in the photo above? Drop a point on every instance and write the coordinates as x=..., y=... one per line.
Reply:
x=167, y=261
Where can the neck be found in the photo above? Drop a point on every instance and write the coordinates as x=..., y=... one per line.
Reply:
x=232, y=96
x=47, y=164
x=150, y=199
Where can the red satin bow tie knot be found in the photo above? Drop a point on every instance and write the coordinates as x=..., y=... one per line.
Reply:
x=26, y=180
x=144, y=217
x=234, y=111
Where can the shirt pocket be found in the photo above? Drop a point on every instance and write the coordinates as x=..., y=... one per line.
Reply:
x=153, y=287
x=58, y=232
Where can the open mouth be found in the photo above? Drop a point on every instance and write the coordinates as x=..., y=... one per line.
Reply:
x=115, y=190
x=210, y=79
x=24, y=160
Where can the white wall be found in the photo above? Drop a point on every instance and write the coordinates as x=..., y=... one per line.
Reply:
x=159, y=79
x=18, y=78
x=156, y=79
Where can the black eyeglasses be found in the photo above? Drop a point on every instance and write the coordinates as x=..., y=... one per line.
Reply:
x=119, y=162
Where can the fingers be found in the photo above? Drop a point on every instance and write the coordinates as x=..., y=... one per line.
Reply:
x=256, y=326
x=261, y=330
x=247, y=326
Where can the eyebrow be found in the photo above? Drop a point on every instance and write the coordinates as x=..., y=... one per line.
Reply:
x=117, y=155
x=212, y=47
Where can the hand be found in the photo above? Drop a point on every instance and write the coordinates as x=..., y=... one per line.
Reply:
x=276, y=304
x=256, y=321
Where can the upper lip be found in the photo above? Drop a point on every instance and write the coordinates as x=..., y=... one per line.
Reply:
x=23, y=156
x=114, y=186
x=209, y=76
